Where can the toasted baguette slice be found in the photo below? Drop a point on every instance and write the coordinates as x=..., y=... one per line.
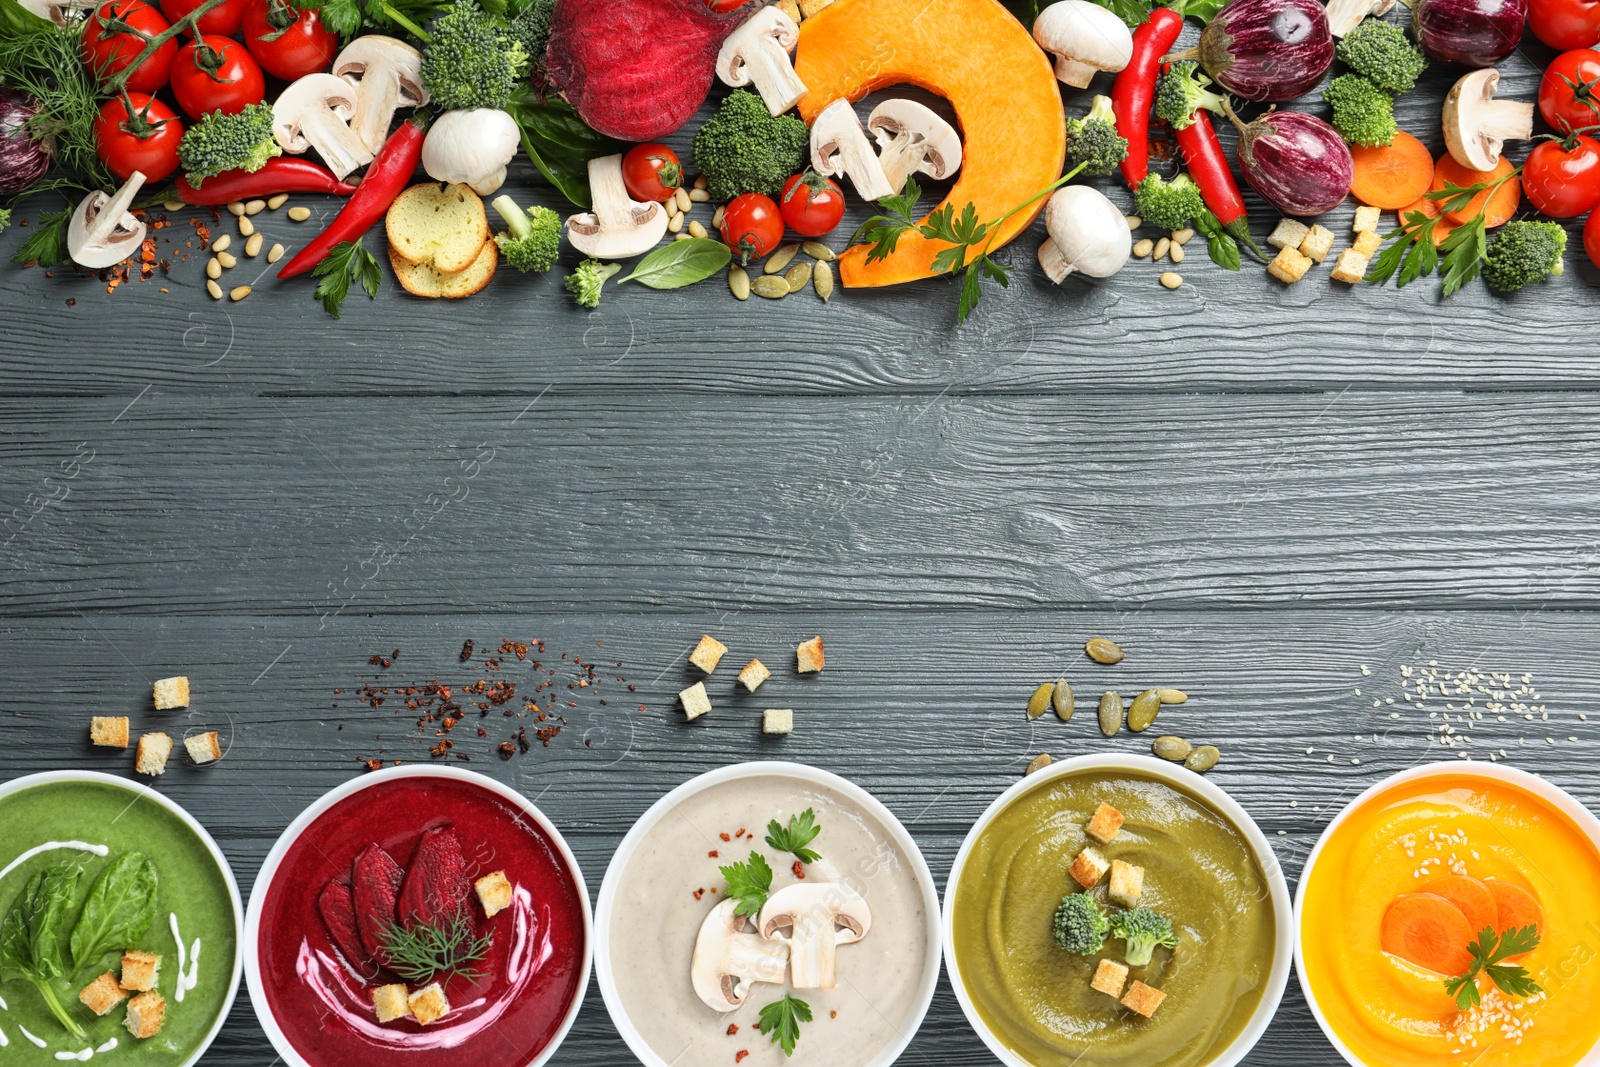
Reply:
x=419, y=279
x=441, y=226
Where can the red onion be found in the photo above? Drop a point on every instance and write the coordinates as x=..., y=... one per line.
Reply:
x=1298, y=163
x=1268, y=49
x=1473, y=33
x=23, y=160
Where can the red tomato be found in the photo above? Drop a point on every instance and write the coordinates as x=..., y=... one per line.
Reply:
x=216, y=74
x=1591, y=238
x=752, y=226
x=811, y=204
x=108, y=47
x=1569, y=94
x=1561, y=181
x=1565, y=23
x=223, y=20
x=145, y=140
x=652, y=172
x=287, y=42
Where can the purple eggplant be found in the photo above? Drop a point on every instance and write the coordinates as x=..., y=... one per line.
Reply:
x=1298, y=163
x=23, y=157
x=1473, y=33
x=1268, y=50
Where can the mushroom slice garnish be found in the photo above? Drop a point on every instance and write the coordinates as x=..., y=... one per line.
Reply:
x=813, y=919
x=314, y=112
x=617, y=226
x=839, y=146
x=728, y=960
x=1346, y=15
x=102, y=232
x=758, y=52
x=387, y=75
x=1476, y=125
x=912, y=139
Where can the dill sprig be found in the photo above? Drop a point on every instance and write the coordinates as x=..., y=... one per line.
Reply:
x=417, y=953
x=46, y=64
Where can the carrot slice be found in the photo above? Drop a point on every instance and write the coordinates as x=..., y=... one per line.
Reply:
x=1429, y=208
x=1429, y=931
x=1515, y=907
x=1470, y=896
x=1498, y=207
x=1393, y=175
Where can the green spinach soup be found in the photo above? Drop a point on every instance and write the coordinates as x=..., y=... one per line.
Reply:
x=117, y=928
x=1105, y=981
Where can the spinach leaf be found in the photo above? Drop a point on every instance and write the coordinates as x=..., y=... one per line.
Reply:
x=33, y=932
x=559, y=142
x=681, y=263
x=120, y=907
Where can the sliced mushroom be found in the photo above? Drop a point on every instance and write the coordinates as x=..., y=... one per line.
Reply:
x=728, y=961
x=1476, y=125
x=387, y=74
x=1346, y=15
x=102, y=232
x=59, y=12
x=617, y=226
x=471, y=148
x=839, y=146
x=912, y=139
x=1088, y=235
x=314, y=112
x=1085, y=38
x=818, y=917
x=758, y=52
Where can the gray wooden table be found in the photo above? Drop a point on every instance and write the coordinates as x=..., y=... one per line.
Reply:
x=1258, y=490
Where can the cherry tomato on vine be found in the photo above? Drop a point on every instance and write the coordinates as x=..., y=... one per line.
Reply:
x=1591, y=237
x=652, y=172
x=223, y=20
x=811, y=204
x=752, y=226
x=287, y=42
x=1565, y=23
x=1569, y=94
x=1562, y=178
x=216, y=74
x=113, y=37
x=145, y=140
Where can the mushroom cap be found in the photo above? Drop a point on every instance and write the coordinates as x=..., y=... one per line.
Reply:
x=1465, y=119
x=900, y=117
x=770, y=21
x=388, y=53
x=618, y=226
x=1086, y=33
x=307, y=96
x=1089, y=231
x=471, y=148
x=102, y=232
x=846, y=907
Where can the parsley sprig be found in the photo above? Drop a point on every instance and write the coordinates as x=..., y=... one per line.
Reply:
x=1488, y=955
x=47, y=244
x=346, y=262
x=801, y=831
x=749, y=883
x=781, y=1020
x=1412, y=253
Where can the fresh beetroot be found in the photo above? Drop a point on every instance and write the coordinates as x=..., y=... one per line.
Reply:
x=1473, y=33
x=337, y=905
x=436, y=886
x=637, y=70
x=1298, y=163
x=375, y=886
x=1267, y=49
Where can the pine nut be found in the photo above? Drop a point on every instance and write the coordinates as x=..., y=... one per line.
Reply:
x=701, y=182
x=299, y=213
x=254, y=207
x=682, y=196
x=1171, y=279
x=675, y=224
x=1183, y=236
x=274, y=253
x=699, y=196
x=1134, y=222
x=236, y=207
x=213, y=268
x=697, y=230
x=221, y=243
x=246, y=227
x=214, y=289
x=238, y=292
x=227, y=260
x=683, y=237
x=1162, y=246
x=716, y=218
x=1142, y=248
x=252, y=247
x=172, y=205
x=278, y=200
x=1175, y=253
x=671, y=204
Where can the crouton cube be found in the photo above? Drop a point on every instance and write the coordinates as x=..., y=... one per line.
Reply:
x=140, y=970
x=755, y=672
x=146, y=1013
x=790, y=8
x=811, y=7
x=708, y=653
x=429, y=1004
x=1288, y=234
x=1289, y=266
x=1142, y=999
x=170, y=693
x=391, y=1002
x=103, y=994
x=1127, y=884
x=494, y=892
x=1088, y=868
x=154, y=748
x=810, y=656
x=1317, y=243
x=695, y=702
x=109, y=731
x=1367, y=243
x=1367, y=219
x=1105, y=825
x=1351, y=268
x=1110, y=977
x=204, y=748
x=777, y=721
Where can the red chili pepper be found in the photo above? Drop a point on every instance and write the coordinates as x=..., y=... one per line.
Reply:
x=282, y=174
x=1208, y=167
x=1135, y=88
x=385, y=179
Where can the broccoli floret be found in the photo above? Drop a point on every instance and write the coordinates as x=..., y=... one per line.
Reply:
x=1382, y=53
x=471, y=59
x=1182, y=91
x=1524, y=253
x=1362, y=113
x=585, y=282
x=744, y=149
x=1142, y=930
x=1093, y=141
x=5, y=218
x=1080, y=925
x=219, y=142
x=533, y=238
x=531, y=27
x=1167, y=205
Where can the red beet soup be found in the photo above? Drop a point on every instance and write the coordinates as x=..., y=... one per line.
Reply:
x=324, y=911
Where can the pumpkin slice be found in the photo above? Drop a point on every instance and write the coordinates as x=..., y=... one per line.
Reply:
x=978, y=56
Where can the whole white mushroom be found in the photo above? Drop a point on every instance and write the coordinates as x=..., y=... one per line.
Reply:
x=1088, y=235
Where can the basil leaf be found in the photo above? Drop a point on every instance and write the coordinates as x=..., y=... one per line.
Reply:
x=1133, y=13
x=681, y=263
x=1222, y=245
x=559, y=143
x=120, y=907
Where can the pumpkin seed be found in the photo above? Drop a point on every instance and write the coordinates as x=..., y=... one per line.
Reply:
x=1103, y=650
x=1172, y=696
x=1040, y=700
x=819, y=251
x=822, y=278
x=781, y=259
x=739, y=282
x=277, y=200
x=1143, y=711
x=798, y=277
x=770, y=287
x=1111, y=712
x=299, y=213
x=1040, y=762
x=1202, y=759
x=1173, y=748
x=221, y=243
x=1062, y=700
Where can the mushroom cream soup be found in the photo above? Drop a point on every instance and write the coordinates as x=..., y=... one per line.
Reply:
x=856, y=921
